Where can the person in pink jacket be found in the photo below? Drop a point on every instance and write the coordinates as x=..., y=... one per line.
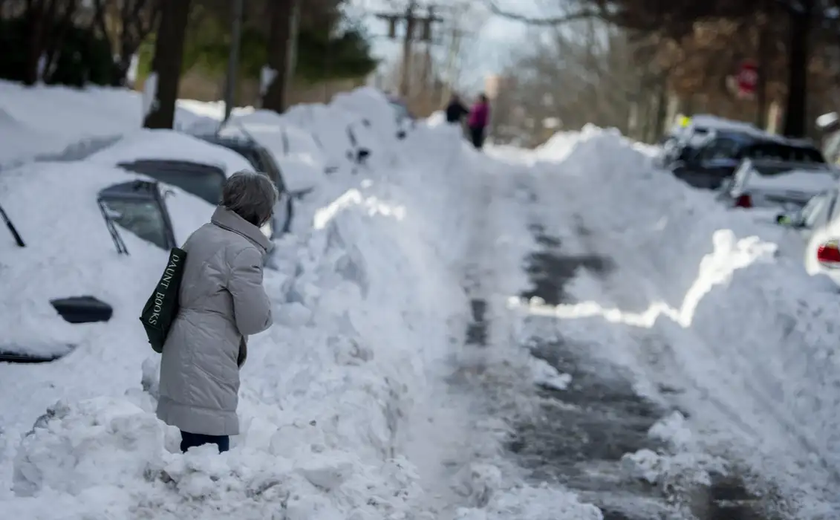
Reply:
x=479, y=117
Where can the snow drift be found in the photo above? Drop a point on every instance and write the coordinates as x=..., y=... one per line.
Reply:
x=325, y=393
x=744, y=320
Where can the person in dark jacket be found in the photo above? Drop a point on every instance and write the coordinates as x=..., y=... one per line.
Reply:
x=479, y=117
x=455, y=110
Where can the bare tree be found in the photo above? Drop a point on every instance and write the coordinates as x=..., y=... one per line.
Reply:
x=279, y=40
x=166, y=64
x=125, y=24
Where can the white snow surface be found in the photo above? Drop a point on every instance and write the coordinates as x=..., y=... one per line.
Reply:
x=169, y=145
x=343, y=407
x=69, y=252
x=813, y=181
x=332, y=394
x=702, y=301
x=43, y=120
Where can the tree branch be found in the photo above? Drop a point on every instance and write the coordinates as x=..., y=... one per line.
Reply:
x=583, y=14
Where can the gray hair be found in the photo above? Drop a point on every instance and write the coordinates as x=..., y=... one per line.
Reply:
x=250, y=195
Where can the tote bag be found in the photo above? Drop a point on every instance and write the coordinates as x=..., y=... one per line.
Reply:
x=162, y=307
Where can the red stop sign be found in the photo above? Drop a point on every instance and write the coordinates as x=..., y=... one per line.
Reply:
x=747, y=78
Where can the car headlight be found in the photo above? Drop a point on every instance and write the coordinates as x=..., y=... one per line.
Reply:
x=267, y=230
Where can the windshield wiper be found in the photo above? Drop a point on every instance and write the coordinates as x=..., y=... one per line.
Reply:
x=15, y=234
x=112, y=228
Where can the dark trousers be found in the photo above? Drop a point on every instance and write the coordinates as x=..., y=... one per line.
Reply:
x=477, y=136
x=194, y=440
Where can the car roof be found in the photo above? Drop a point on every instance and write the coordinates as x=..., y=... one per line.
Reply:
x=230, y=141
x=173, y=146
x=708, y=121
x=144, y=166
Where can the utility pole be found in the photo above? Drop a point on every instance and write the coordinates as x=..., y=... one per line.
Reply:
x=411, y=20
x=405, y=77
x=233, y=59
x=454, y=50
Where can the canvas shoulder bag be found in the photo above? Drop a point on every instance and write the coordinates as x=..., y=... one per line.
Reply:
x=162, y=307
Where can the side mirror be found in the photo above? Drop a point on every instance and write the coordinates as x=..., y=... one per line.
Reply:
x=168, y=193
x=828, y=254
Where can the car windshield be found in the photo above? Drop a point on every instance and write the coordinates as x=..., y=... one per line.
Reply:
x=207, y=185
x=138, y=216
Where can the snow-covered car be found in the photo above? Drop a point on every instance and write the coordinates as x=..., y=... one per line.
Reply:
x=262, y=161
x=812, y=234
x=83, y=235
x=764, y=183
x=182, y=160
x=170, y=145
x=714, y=163
x=684, y=141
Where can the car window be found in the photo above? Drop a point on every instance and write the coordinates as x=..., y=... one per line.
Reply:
x=207, y=185
x=141, y=217
x=719, y=149
x=813, y=211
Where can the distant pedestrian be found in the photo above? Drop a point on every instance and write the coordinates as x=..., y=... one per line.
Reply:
x=221, y=303
x=455, y=110
x=479, y=117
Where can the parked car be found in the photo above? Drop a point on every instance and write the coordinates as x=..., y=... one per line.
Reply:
x=684, y=141
x=262, y=161
x=202, y=180
x=716, y=161
x=765, y=183
x=78, y=235
x=813, y=233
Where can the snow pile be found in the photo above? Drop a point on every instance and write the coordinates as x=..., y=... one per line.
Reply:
x=749, y=324
x=46, y=119
x=362, y=301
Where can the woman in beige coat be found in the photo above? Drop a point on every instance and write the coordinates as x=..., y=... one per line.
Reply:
x=222, y=302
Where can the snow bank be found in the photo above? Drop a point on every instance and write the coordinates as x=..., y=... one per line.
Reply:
x=745, y=321
x=325, y=393
x=302, y=162
x=46, y=119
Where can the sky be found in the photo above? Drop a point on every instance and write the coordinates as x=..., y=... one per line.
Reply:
x=486, y=51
